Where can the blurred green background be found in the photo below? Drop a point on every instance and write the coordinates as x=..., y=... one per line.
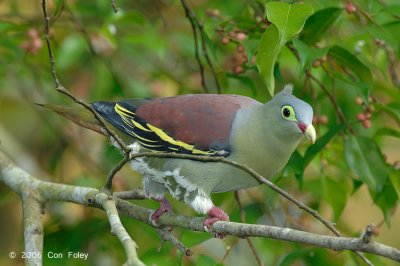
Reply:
x=147, y=50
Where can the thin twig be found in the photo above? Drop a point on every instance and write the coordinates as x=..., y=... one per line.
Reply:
x=47, y=38
x=333, y=101
x=196, y=45
x=196, y=25
x=392, y=65
x=80, y=28
x=113, y=171
x=114, y=6
x=243, y=220
x=64, y=91
x=166, y=235
x=228, y=251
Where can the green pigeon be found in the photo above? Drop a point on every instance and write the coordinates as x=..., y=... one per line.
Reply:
x=261, y=136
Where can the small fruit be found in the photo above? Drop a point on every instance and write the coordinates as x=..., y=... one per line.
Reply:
x=359, y=101
x=323, y=119
x=225, y=40
x=361, y=117
x=350, y=8
x=240, y=36
x=238, y=69
x=367, y=123
x=370, y=108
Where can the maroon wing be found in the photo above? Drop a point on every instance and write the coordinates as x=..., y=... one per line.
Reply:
x=202, y=120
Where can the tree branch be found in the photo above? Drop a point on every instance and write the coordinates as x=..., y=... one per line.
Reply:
x=118, y=229
x=18, y=180
x=166, y=235
x=33, y=226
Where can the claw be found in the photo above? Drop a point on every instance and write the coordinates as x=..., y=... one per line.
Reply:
x=165, y=207
x=215, y=214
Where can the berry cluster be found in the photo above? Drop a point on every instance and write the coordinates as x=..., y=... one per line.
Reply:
x=365, y=117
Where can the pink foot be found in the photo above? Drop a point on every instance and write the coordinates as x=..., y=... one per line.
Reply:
x=215, y=214
x=164, y=207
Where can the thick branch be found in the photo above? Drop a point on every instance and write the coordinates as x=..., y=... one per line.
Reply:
x=18, y=180
x=33, y=227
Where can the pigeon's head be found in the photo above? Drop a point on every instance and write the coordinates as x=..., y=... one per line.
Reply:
x=293, y=115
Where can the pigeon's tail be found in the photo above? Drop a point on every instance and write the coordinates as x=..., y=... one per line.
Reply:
x=78, y=115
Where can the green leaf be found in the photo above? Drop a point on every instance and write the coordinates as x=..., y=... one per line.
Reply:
x=388, y=132
x=204, y=260
x=318, y=24
x=287, y=20
x=290, y=258
x=331, y=191
x=392, y=108
x=305, y=256
x=335, y=194
x=393, y=28
x=248, y=82
x=381, y=33
x=268, y=51
x=57, y=7
x=365, y=159
x=386, y=200
x=72, y=50
x=393, y=9
x=295, y=166
x=344, y=58
x=250, y=45
x=307, y=54
x=313, y=150
x=394, y=177
x=191, y=238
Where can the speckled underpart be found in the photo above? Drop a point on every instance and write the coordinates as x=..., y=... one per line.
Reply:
x=156, y=183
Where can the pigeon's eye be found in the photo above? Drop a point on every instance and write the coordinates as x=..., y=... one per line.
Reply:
x=288, y=113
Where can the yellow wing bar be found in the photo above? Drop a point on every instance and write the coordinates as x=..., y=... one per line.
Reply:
x=154, y=138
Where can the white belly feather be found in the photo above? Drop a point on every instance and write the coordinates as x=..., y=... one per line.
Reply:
x=172, y=181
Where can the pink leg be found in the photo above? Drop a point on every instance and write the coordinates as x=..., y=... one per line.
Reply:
x=164, y=207
x=215, y=214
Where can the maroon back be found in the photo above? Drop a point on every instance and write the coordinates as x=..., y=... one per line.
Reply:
x=197, y=119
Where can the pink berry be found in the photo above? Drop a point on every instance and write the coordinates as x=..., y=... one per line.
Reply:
x=361, y=117
x=241, y=36
x=350, y=8
x=238, y=69
x=367, y=123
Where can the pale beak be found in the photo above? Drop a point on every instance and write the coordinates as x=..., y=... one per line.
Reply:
x=310, y=133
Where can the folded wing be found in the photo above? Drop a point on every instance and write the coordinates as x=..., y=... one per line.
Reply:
x=189, y=124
